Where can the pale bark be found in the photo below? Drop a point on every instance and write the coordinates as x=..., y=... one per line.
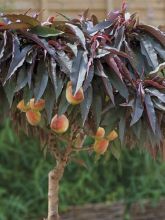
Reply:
x=53, y=190
x=55, y=176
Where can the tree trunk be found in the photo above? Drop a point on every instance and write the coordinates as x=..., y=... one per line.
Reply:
x=55, y=176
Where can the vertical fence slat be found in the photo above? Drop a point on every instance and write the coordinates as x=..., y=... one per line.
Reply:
x=110, y=5
x=149, y=11
x=44, y=9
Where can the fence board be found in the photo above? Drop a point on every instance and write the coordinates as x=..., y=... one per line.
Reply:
x=76, y=5
x=150, y=11
x=96, y=212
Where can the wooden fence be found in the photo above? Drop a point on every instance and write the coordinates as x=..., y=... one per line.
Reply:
x=117, y=211
x=96, y=212
x=150, y=11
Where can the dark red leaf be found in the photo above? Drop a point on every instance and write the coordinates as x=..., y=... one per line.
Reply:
x=153, y=31
x=149, y=82
x=86, y=104
x=15, y=26
x=23, y=19
x=41, y=42
x=79, y=69
x=150, y=112
x=111, y=62
x=89, y=77
x=18, y=57
x=137, y=110
x=101, y=26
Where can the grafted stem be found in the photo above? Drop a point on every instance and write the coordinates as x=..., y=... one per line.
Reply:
x=55, y=176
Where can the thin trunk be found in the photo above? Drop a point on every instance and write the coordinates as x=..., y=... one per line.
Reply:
x=53, y=190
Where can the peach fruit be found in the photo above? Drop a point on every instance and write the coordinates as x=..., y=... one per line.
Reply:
x=33, y=117
x=112, y=135
x=37, y=105
x=74, y=99
x=101, y=146
x=59, y=124
x=100, y=133
x=22, y=106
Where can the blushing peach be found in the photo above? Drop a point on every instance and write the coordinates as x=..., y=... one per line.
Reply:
x=59, y=124
x=112, y=135
x=100, y=133
x=74, y=99
x=22, y=106
x=37, y=105
x=101, y=146
x=33, y=117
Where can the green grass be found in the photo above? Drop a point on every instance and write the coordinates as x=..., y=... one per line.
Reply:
x=23, y=178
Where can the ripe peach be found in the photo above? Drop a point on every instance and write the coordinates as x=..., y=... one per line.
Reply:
x=59, y=124
x=74, y=99
x=101, y=146
x=112, y=135
x=22, y=106
x=33, y=117
x=37, y=105
x=100, y=133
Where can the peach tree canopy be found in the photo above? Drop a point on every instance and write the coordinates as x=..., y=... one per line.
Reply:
x=119, y=63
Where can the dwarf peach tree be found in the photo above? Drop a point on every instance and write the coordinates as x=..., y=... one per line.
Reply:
x=80, y=84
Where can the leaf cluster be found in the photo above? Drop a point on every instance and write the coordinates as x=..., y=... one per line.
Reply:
x=119, y=63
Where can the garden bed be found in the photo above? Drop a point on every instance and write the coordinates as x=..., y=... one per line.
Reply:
x=148, y=211
x=96, y=212
x=116, y=211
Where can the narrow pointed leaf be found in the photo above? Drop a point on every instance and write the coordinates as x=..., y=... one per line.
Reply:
x=112, y=64
x=158, y=71
x=22, y=79
x=73, y=47
x=115, y=150
x=159, y=105
x=79, y=69
x=119, y=85
x=44, y=31
x=155, y=32
x=27, y=94
x=18, y=57
x=97, y=108
x=158, y=48
x=41, y=81
x=49, y=101
x=41, y=42
x=99, y=70
x=119, y=37
x=150, y=112
x=3, y=44
x=55, y=78
x=9, y=89
x=52, y=72
x=63, y=105
x=109, y=89
x=156, y=93
x=149, y=52
x=31, y=68
x=23, y=18
x=86, y=104
x=122, y=127
x=15, y=26
x=101, y=26
x=89, y=78
x=138, y=110
x=64, y=62
x=79, y=34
